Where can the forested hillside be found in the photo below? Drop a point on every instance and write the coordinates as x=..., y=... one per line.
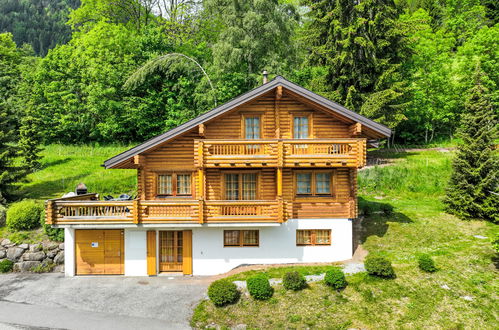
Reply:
x=406, y=64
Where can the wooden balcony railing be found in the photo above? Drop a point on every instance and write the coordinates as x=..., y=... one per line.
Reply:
x=282, y=153
x=162, y=211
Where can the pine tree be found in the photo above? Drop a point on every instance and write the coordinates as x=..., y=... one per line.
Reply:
x=29, y=140
x=474, y=185
x=361, y=46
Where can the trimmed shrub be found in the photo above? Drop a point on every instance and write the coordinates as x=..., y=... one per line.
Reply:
x=24, y=215
x=3, y=215
x=6, y=266
x=223, y=292
x=379, y=266
x=55, y=234
x=294, y=281
x=426, y=263
x=259, y=287
x=335, y=278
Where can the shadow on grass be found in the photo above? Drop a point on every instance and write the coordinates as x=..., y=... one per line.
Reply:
x=55, y=163
x=45, y=189
x=377, y=215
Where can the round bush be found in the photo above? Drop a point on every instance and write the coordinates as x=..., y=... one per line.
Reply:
x=426, y=263
x=55, y=234
x=379, y=266
x=24, y=215
x=223, y=292
x=294, y=281
x=6, y=266
x=259, y=287
x=335, y=278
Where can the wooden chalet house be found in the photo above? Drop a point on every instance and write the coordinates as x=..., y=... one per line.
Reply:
x=269, y=177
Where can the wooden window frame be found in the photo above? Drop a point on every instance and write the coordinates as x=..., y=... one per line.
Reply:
x=240, y=173
x=313, y=236
x=310, y=123
x=243, y=123
x=241, y=241
x=174, y=184
x=313, y=183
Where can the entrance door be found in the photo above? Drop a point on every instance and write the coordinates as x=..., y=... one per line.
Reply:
x=170, y=251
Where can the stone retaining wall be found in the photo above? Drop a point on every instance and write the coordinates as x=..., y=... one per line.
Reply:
x=49, y=255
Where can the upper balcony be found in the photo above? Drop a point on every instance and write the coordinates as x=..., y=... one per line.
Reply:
x=281, y=153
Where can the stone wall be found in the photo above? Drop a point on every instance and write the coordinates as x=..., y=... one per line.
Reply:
x=46, y=255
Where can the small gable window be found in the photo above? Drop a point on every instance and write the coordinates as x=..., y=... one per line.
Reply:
x=252, y=128
x=301, y=128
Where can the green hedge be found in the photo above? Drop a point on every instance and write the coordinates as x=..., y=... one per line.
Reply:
x=6, y=266
x=335, y=278
x=223, y=292
x=259, y=287
x=294, y=281
x=379, y=266
x=24, y=215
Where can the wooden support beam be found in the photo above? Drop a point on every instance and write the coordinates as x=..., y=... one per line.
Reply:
x=356, y=129
x=201, y=210
x=277, y=104
x=201, y=129
x=200, y=154
x=136, y=211
x=200, y=183
x=279, y=182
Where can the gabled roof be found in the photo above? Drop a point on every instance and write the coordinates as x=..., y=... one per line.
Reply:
x=244, y=98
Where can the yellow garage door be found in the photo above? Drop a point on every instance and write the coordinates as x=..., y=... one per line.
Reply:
x=99, y=252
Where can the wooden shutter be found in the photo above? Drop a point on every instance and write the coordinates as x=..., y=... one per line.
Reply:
x=151, y=253
x=187, y=252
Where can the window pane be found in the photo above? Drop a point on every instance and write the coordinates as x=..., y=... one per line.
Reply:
x=322, y=237
x=303, y=183
x=303, y=237
x=300, y=127
x=249, y=186
x=323, y=183
x=232, y=186
x=250, y=237
x=231, y=237
x=183, y=184
x=165, y=184
x=252, y=128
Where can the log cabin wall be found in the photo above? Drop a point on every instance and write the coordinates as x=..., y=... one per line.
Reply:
x=178, y=155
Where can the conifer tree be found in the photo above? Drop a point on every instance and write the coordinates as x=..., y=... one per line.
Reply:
x=29, y=140
x=474, y=185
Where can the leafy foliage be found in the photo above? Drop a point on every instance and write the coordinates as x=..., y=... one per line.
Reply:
x=379, y=266
x=335, y=278
x=54, y=234
x=24, y=215
x=223, y=292
x=259, y=287
x=472, y=191
x=6, y=266
x=294, y=281
x=426, y=263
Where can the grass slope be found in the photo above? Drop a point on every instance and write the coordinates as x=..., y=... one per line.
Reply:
x=63, y=167
x=414, y=187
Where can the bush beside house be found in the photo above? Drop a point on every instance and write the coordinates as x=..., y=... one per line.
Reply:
x=335, y=278
x=294, y=281
x=259, y=287
x=24, y=215
x=379, y=266
x=426, y=263
x=223, y=292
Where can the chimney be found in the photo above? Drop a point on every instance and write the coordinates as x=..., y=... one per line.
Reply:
x=265, y=77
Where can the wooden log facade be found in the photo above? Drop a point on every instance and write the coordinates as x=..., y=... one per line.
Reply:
x=211, y=172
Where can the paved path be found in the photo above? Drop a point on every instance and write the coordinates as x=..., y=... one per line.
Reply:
x=41, y=301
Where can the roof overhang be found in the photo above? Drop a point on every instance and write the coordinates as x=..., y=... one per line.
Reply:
x=122, y=160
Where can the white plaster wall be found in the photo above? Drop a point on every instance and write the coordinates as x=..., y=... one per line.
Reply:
x=135, y=252
x=277, y=245
x=69, y=251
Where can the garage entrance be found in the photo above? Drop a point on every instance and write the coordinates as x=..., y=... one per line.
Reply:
x=99, y=252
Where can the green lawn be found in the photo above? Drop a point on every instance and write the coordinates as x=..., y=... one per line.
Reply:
x=63, y=167
x=414, y=187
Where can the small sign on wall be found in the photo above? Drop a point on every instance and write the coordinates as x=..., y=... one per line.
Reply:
x=95, y=244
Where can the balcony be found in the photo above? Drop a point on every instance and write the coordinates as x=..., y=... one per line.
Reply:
x=281, y=153
x=74, y=212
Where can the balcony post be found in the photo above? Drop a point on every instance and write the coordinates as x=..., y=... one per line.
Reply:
x=280, y=210
x=200, y=154
x=49, y=213
x=280, y=153
x=136, y=211
x=201, y=211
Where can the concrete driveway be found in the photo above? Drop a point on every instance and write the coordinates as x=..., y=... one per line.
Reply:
x=37, y=301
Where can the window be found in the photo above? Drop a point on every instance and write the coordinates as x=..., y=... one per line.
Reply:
x=313, y=237
x=241, y=186
x=314, y=183
x=301, y=129
x=241, y=238
x=174, y=184
x=252, y=127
